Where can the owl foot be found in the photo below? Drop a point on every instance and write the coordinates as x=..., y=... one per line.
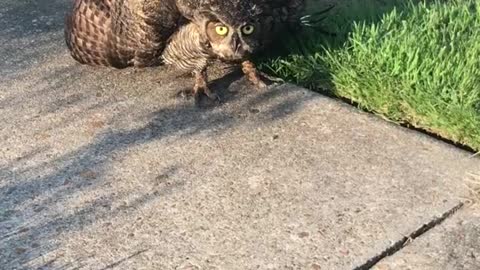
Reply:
x=198, y=92
x=271, y=78
x=258, y=78
x=259, y=84
x=201, y=87
x=253, y=75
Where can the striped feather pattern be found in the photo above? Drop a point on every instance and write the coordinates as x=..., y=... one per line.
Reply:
x=186, y=50
x=120, y=33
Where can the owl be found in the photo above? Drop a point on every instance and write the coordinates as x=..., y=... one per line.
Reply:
x=188, y=34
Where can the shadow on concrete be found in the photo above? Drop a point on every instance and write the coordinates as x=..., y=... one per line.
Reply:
x=27, y=29
x=29, y=198
x=37, y=185
x=46, y=92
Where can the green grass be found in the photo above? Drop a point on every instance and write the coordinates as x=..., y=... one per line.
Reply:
x=416, y=63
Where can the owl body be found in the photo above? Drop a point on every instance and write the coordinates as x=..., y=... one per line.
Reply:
x=184, y=33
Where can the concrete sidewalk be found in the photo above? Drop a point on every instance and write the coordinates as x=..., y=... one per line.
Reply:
x=108, y=169
x=455, y=244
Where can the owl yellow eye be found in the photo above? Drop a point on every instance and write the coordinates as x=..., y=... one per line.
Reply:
x=221, y=30
x=248, y=29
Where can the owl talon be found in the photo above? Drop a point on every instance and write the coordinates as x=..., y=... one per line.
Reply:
x=201, y=87
x=211, y=95
x=260, y=85
x=197, y=97
x=271, y=78
x=253, y=75
x=197, y=94
x=199, y=91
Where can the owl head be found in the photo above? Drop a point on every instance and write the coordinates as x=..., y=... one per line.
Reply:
x=234, y=29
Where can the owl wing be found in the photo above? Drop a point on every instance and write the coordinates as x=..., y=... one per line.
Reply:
x=284, y=11
x=120, y=33
x=89, y=35
x=157, y=20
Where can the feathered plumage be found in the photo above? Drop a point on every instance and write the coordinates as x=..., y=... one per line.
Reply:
x=120, y=33
x=184, y=33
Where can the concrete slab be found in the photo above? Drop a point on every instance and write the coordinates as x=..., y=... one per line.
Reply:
x=106, y=169
x=454, y=245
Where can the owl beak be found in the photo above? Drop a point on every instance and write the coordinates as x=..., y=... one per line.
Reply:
x=237, y=48
x=235, y=44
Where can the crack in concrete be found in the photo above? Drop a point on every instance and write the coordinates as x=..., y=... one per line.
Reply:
x=400, y=244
